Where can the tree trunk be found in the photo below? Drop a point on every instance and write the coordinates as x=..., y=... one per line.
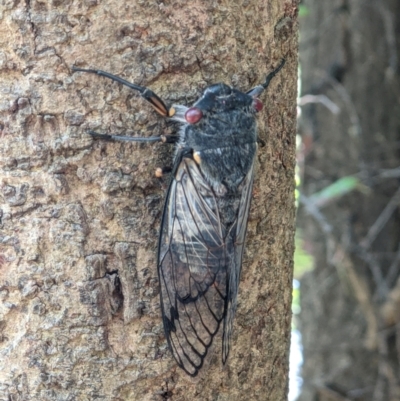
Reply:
x=80, y=314
x=349, y=53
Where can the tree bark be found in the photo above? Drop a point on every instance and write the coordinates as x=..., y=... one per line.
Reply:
x=80, y=316
x=349, y=53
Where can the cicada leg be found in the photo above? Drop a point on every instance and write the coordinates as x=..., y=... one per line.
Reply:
x=156, y=102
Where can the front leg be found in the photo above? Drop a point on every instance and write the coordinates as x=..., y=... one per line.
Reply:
x=156, y=102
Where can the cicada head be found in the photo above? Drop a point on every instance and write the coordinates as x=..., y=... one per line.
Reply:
x=221, y=98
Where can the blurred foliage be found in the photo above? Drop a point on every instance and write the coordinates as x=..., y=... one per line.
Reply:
x=303, y=260
x=296, y=297
x=297, y=181
x=303, y=10
x=336, y=190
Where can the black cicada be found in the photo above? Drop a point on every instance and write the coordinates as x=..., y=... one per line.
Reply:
x=205, y=215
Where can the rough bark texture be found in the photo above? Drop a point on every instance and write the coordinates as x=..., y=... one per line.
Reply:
x=349, y=52
x=80, y=312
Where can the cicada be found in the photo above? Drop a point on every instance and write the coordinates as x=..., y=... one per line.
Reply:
x=205, y=215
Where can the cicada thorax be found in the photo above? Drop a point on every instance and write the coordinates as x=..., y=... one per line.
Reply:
x=224, y=147
x=224, y=144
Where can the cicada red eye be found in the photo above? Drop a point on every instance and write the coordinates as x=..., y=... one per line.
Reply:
x=193, y=115
x=257, y=103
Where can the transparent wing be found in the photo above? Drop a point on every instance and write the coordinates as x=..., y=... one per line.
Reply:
x=237, y=242
x=199, y=266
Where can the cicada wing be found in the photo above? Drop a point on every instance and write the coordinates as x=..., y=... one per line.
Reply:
x=192, y=263
x=235, y=244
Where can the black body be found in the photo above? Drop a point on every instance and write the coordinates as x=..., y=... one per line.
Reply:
x=205, y=217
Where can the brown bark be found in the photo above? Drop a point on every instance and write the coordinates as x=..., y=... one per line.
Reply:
x=77, y=214
x=349, y=54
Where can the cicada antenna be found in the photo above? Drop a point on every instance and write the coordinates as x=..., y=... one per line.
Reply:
x=257, y=90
